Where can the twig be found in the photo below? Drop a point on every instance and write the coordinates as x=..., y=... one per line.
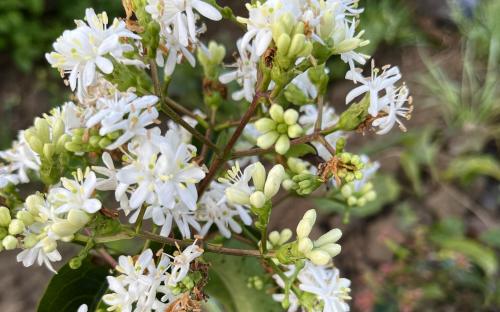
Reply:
x=319, y=121
x=107, y=257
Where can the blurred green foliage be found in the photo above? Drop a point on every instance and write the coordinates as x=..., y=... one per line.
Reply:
x=29, y=27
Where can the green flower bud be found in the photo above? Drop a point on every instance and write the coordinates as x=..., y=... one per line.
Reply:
x=358, y=175
x=30, y=240
x=258, y=199
x=73, y=147
x=49, y=245
x=276, y=113
x=64, y=228
x=94, y=140
x=265, y=125
x=43, y=129
x=332, y=249
x=5, y=217
x=16, y=227
x=58, y=130
x=304, y=228
x=310, y=215
x=290, y=116
x=282, y=128
x=273, y=182
x=305, y=245
x=78, y=218
x=283, y=44
x=367, y=187
x=237, y=196
x=36, y=145
x=267, y=140
x=259, y=176
x=274, y=238
x=319, y=257
x=294, y=95
x=285, y=236
x=295, y=131
x=346, y=190
x=331, y=236
x=361, y=202
x=9, y=242
x=352, y=201
x=370, y=196
x=75, y=263
x=288, y=184
x=3, y=232
x=61, y=142
x=33, y=202
x=297, y=45
x=26, y=217
x=282, y=145
x=104, y=142
x=48, y=150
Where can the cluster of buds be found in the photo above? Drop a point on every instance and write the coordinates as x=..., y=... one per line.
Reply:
x=187, y=284
x=359, y=197
x=319, y=251
x=277, y=239
x=89, y=140
x=344, y=167
x=47, y=137
x=291, y=43
x=279, y=129
x=296, y=166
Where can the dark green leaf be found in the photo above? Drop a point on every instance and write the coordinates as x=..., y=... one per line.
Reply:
x=300, y=150
x=71, y=288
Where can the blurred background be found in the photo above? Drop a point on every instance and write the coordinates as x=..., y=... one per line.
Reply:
x=431, y=240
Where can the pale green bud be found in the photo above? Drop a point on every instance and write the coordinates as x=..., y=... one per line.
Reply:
x=370, y=196
x=30, y=240
x=307, y=50
x=331, y=236
x=288, y=184
x=352, y=201
x=35, y=144
x=9, y=242
x=367, y=187
x=332, y=249
x=297, y=165
x=48, y=150
x=297, y=45
x=16, y=227
x=43, y=129
x=61, y=142
x=265, y=125
x=276, y=112
x=94, y=140
x=267, y=140
x=26, y=217
x=236, y=196
x=282, y=145
x=346, y=190
x=319, y=257
x=291, y=116
x=310, y=215
x=49, y=245
x=345, y=157
x=350, y=177
x=274, y=238
x=33, y=202
x=5, y=217
x=305, y=245
x=258, y=199
x=361, y=201
x=304, y=228
x=259, y=176
x=58, y=130
x=273, y=182
x=358, y=175
x=73, y=147
x=295, y=131
x=78, y=218
x=3, y=233
x=285, y=236
x=283, y=43
x=104, y=142
x=64, y=228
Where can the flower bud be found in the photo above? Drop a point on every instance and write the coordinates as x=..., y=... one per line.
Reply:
x=290, y=116
x=274, y=238
x=49, y=245
x=43, y=129
x=276, y=112
x=331, y=236
x=332, y=249
x=267, y=140
x=283, y=43
x=352, y=201
x=370, y=196
x=310, y=215
x=9, y=242
x=304, y=228
x=16, y=227
x=346, y=190
x=288, y=184
x=295, y=131
x=273, y=182
x=5, y=216
x=319, y=257
x=297, y=45
x=33, y=202
x=29, y=241
x=64, y=228
x=78, y=218
x=366, y=188
x=258, y=199
x=236, y=196
x=58, y=130
x=361, y=202
x=285, y=236
x=265, y=125
x=26, y=217
x=75, y=263
x=35, y=144
x=259, y=176
x=305, y=245
x=3, y=233
x=282, y=145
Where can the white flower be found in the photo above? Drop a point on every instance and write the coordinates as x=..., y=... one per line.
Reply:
x=214, y=209
x=239, y=190
x=176, y=53
x=19, y=159
x=81, y=50
x=180, y=14
x=350, y=56
x=245, y=74
x=326, y=284
x=36, y=254
x=292, y=298
x=83, y=308
x=182, y=215
x=374, y=85
x=305, y=85
x=394, y=110
x=182, y=262
x=76, y=194
x=261, y=17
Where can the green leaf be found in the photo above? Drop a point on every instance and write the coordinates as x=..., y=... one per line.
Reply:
x=469, y=167
x=71, y=288
x=300, y=150
x=228, y=284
